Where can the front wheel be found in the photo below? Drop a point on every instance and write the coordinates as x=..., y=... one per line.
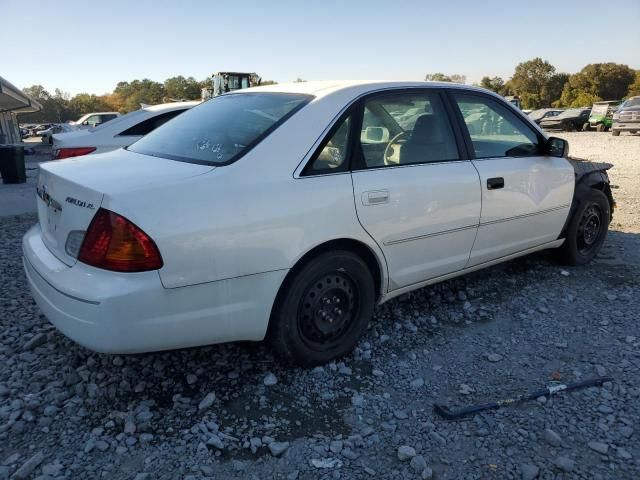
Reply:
x=323, y=309
x=587, y=229
x=586, y=127
x=601, y=127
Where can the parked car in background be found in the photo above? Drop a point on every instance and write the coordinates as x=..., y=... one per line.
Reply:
x=601, y=117
x=542, y=113
x=91, y=120
x=569, y=120
x=627, y=117
x=47, y=134
x=118, y=133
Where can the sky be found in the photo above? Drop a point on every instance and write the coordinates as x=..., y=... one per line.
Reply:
x=89, y=46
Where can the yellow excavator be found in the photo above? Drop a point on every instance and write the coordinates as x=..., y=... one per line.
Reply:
x=224, y=82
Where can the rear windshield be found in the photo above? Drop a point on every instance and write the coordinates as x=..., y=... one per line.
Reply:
x=220, y=130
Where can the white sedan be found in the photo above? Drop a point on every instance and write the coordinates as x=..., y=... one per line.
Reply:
x=117, y=133
x=287, y=212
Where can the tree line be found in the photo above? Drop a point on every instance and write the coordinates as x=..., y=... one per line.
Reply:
x=535, y=81
x=538, y=84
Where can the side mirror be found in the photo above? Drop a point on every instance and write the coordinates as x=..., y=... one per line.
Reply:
x=557, y=147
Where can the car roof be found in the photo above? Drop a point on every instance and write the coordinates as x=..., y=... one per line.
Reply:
x=327, y=87
x=170, y=106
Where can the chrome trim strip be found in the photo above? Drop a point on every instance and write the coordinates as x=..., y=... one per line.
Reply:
x=428, y=235
x=526, y=215
x=459, y=229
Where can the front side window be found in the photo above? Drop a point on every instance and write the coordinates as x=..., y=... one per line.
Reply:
x=220, y=130
x=92, y=120
x=495, y=131
x=406, y=128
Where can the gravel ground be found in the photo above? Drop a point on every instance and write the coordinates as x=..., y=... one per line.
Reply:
x=231, y=411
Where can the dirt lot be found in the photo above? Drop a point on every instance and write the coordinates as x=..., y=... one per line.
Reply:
x=230, y=411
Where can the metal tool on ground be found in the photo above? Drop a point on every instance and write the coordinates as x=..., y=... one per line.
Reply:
x=449, y=414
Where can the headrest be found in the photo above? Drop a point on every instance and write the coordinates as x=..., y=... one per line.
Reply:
x=427, y=130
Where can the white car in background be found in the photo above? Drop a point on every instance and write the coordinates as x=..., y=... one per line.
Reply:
x=93, y=119
x=117, y=133
x=289, y=211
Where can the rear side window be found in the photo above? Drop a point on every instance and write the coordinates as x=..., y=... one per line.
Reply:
x=331, y=157
x=221, y=130
x=496, y=131
x=150, y=124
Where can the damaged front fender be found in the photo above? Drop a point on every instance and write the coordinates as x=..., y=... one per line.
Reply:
x=589, y=175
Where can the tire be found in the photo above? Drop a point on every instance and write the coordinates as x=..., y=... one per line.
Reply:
x=601, y=127
x=569, y=127
x=586, y=127
x=587, y=229
x=308, y=326
x=615, y=133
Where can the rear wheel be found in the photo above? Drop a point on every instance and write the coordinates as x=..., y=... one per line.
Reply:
x=323, y=309
x=615, y=133
x=569, y=127
x=587, y=229
x=601, y=127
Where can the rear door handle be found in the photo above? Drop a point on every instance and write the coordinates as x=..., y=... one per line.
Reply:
x=495, y=183
x=375, y=197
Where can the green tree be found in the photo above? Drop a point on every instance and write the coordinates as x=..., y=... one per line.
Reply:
x=441, y=77
x=531, y=82
x=634, y=88
x=86, y=103
x=181, y=88
x=55, y=108
x=139, y=91
x=597, y=81
x=495, y=84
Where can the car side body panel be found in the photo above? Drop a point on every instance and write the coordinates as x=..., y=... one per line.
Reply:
x=530, y=210
x=427, y=219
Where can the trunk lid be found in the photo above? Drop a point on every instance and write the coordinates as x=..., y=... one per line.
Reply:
x=71, y=191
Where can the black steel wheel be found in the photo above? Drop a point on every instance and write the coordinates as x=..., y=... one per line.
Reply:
x=327, y=310
x=587, y=229
x=322, y=309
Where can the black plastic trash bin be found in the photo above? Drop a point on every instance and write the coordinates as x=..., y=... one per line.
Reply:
x=12, y=166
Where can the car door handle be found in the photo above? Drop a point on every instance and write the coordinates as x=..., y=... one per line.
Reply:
x=495, y=183
x=375, y=197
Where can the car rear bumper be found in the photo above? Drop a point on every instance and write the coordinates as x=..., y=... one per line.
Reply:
x=131, y=313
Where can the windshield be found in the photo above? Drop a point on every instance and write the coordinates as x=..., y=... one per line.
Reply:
x=632, y=102
x=111, y=123
x=538, y=114
x=221, y=130
x=572, y=112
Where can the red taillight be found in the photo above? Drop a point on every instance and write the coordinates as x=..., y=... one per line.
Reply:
x=73, y=152
x=114, y=243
